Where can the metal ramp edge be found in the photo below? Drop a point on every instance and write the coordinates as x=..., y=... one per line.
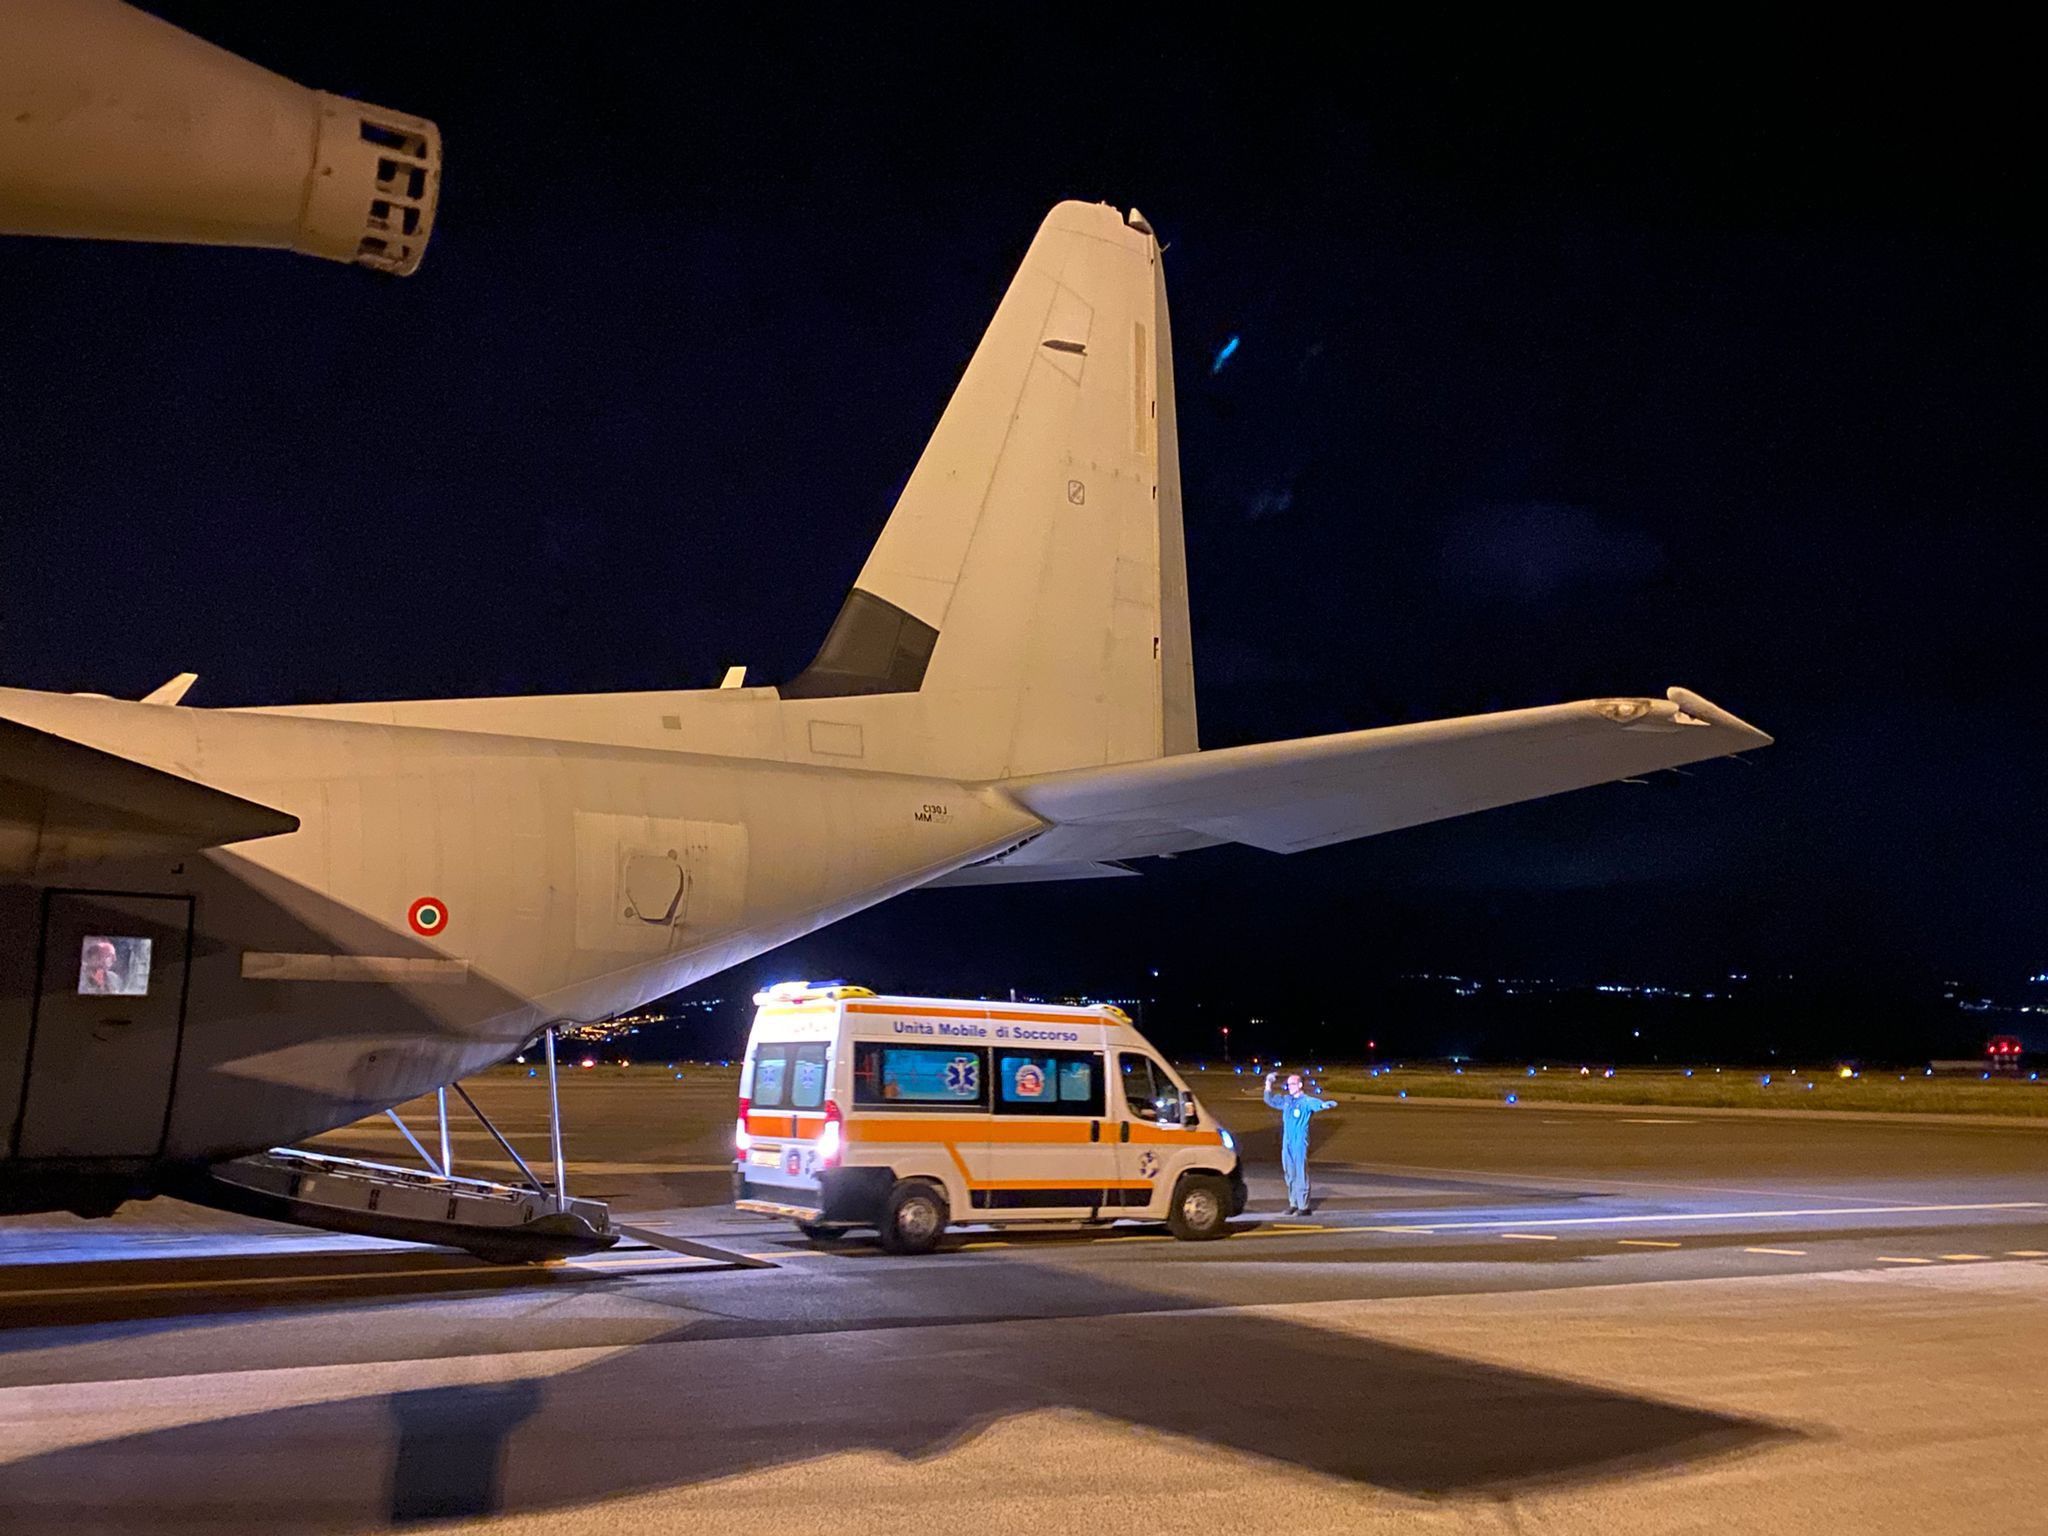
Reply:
x=503, y=1223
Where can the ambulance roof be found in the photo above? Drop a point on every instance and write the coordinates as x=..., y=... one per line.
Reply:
x=943, y=1017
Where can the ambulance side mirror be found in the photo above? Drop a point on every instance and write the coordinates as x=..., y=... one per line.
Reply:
x=1188, y=1113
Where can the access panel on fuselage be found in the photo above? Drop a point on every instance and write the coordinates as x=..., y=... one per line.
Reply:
x=109, y=1006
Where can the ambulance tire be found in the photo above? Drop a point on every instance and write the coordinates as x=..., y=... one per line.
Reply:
x=913, y=1218
x=821, y=1231
x=1200, y=1209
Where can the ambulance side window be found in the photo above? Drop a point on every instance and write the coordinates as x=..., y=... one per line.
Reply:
x=1148, y=1092
x=919, y=1076
x=1048, y=1083
x=807, y=1077
x=771, y=1077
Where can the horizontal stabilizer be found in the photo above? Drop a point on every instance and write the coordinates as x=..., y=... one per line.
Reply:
x=1005, y=872
x=1307, y=793
x=63, y=805
x=172, y=692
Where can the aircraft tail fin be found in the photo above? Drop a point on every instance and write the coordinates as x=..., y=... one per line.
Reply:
x=1030, y=587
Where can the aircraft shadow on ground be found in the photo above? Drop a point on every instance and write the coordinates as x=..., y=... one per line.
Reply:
x=687, y=1410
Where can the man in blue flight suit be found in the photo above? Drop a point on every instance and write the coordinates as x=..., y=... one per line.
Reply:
x=1295, y=1108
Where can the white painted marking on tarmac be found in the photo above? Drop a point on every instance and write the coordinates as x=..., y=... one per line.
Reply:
x=1789, y=1253
x=627, y=1263
x=1608, y=1221
x=1542, y=1182
x=1532, y=1237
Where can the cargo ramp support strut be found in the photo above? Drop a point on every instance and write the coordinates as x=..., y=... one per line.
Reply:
x=504, y=1223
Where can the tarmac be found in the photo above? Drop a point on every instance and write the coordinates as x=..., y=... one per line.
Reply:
x=1496, y=1319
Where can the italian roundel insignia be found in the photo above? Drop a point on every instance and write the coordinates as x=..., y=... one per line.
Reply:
x=428, y=916
x=1148, y=1164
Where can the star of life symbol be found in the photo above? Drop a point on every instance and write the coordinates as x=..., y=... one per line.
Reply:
x=1148, y=1164
x=963, y=1075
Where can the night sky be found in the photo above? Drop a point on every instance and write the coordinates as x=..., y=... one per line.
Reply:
x=1566, y=366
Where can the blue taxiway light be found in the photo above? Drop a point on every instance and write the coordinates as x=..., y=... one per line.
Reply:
x=1223, y=355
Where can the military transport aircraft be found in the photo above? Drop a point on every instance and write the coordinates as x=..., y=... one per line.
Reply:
x=226, y=930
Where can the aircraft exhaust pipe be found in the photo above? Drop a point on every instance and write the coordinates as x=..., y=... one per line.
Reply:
x=117, y=126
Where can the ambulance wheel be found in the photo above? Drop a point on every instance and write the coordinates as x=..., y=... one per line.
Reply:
x=1200, y=1209
x=913, y=1218
x=820, y=1231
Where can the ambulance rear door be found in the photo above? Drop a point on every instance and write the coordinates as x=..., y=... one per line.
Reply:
x=788, y=1085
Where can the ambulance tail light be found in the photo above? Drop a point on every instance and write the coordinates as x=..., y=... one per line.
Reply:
x=832, y=1139
x=742, y=1141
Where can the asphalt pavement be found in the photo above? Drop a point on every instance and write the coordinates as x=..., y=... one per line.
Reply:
x=1495, y=1318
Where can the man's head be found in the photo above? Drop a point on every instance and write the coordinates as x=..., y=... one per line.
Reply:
x=1294, y=1084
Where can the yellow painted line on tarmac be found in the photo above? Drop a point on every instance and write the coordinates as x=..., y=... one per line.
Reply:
x=1884, y=1259
x=2026, y=1253
x=243, y=1282
x=1081, y=1241
x=1645, y=1242
x=1531, y=1237
x=1787, y=1253
x=1963, y=1258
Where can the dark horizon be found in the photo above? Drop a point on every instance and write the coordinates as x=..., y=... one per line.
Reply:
x=1506, y=376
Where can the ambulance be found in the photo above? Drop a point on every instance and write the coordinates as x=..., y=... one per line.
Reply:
x=912, y=1114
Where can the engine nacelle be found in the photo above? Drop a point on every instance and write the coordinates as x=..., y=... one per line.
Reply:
x=115, y=125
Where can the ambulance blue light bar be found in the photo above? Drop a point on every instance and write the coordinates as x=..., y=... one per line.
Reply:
x=804, y=991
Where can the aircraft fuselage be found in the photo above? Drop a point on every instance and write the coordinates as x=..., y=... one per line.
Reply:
x=446, y=895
